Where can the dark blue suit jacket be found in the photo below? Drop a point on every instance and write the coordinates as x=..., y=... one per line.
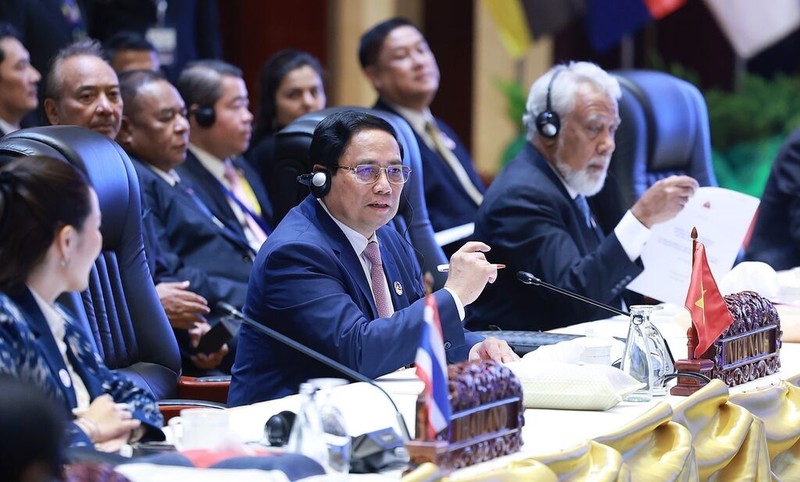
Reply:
x=776, y=236
x=309, y=284
x=210, y=191
x=449, y=205
x=532, y=224
x=28, y=351
x=215, y=259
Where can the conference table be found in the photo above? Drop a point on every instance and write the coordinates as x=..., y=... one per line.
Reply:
x=718, y=431
x=748, y=432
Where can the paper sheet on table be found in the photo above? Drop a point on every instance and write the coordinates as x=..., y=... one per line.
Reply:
x=722, y=218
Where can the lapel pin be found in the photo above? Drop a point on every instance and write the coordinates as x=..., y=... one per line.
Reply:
x=398, y=288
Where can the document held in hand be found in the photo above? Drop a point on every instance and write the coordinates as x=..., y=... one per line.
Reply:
x=722, y=218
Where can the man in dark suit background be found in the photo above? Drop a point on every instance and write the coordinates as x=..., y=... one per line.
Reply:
x=194, y=245
x=18, y=80
x=83, y=90
x=334, y=277
x=402, y=68
x=221, y=125
x=535, y=214
x=776, y=235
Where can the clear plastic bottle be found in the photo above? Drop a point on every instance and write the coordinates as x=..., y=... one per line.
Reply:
x=307, y=436
x=637, y=359
x=661, y=360
x=334, y=429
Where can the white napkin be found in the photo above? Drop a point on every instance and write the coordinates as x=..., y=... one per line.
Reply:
x=602, y=350
x=567, y=386
x=751, y=276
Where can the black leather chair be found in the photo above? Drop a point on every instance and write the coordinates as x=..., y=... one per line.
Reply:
x=664, y=131
x=292, y=144
x=120, y=309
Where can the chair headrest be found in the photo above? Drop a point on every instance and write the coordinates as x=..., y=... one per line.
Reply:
x=294, y=140
x=105, y=164
x=674, y=110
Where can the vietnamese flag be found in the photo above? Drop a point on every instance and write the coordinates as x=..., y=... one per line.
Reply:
x=709, y=313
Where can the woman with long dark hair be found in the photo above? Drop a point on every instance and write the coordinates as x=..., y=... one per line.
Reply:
x=291, y=85
x=49, y=240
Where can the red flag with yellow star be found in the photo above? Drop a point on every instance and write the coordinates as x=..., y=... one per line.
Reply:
x=710, y=315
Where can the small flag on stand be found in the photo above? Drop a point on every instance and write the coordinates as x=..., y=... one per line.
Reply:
x=431, y=368
x=709, y=313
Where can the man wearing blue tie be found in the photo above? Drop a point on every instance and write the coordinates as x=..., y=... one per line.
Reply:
x=194, y=244
x=536, y=217
x=335, y=278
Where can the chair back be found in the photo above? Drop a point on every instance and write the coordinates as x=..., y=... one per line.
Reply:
x=292, y=145
x=120, y=309
x=664, y=131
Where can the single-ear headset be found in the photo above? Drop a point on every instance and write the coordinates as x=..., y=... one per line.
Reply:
x=547, y=122
x=204, y=116
x=319, y=182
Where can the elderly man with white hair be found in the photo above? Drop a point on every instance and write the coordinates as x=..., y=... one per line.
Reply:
x=536, y=217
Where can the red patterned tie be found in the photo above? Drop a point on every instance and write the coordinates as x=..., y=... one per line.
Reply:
x=373, y=254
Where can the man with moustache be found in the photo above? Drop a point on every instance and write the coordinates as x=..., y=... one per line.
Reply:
x=536, y=218
x=400, y=65
x=194, y=246
x=334, y=277
x=18, y=80
x=83, y=90
x=221, y=124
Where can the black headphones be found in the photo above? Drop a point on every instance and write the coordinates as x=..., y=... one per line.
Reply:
x=319, y=182
x=205, y=116
x=548, y=123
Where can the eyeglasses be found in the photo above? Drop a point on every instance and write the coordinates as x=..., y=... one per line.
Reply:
x=367, y=173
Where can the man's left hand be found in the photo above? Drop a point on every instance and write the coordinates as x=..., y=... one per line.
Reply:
x=493, y=349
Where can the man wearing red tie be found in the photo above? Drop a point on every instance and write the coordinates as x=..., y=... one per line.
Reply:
x=221, y=124
x=337, y=279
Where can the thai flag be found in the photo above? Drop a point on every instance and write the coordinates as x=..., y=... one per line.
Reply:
x=431, y=368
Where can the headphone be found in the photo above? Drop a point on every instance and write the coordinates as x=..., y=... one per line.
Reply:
x=205, y=116
x=318, y=182
x=548, y=123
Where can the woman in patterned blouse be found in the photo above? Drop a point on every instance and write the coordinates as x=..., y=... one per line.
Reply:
x=49, y=240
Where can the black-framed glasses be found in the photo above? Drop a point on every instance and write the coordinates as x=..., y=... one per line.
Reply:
x=368, y=173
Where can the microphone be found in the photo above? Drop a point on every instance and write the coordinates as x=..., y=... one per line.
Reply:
x=530, y=279
x=325, y=360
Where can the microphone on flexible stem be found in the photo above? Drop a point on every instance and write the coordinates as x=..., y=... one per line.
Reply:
x=325, y=360
x=530, y=279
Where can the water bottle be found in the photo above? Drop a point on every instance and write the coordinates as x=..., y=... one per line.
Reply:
x=637, y=360
x=661, y=360
x=334, y=429
x=306, y=437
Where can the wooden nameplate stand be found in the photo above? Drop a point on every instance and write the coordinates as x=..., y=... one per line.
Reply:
x=477, y=433
x=746, y=350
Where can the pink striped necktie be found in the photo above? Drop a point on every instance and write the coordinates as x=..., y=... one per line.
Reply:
x=379, y=287
x=238, y=189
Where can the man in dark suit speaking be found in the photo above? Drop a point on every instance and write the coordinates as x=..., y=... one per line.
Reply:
x=334, y=277
x=535, y=214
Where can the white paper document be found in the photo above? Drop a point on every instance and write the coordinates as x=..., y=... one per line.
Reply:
x=722, y=218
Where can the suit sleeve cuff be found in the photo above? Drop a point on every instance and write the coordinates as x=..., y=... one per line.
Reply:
x=632, y=235
x=459, y=304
